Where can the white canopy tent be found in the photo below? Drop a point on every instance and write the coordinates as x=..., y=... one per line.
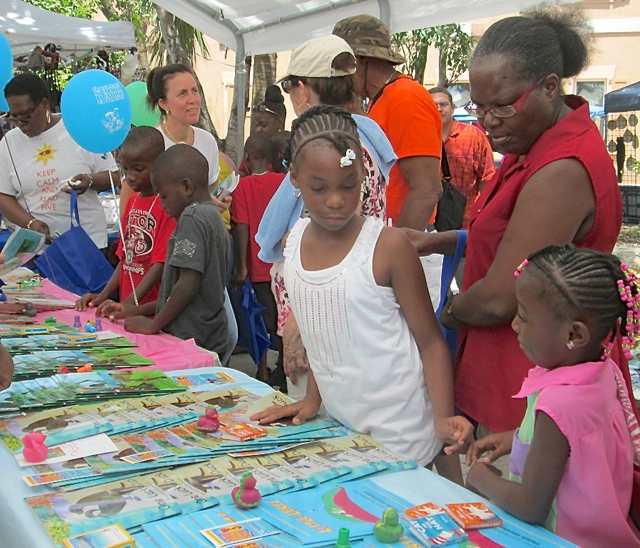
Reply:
x=251, y=27
x=26, y=26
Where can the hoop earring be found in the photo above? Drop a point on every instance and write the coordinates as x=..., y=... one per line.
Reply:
x=48, y=116
x=296, y=192
x=301, y=112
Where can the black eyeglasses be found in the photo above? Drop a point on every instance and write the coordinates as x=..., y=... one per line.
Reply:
x=263, y=108
x=22, y=118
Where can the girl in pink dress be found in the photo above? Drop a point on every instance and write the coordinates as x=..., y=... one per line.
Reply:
x=571, y=466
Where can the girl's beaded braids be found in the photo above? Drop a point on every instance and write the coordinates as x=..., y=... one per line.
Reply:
x=332, y=124
x=596, y=285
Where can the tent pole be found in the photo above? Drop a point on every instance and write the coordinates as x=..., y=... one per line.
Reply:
x=241, y=81
x=385, y=12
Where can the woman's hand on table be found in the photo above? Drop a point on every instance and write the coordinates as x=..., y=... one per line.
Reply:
x=89, y=300
x=294, y=354
x=301, y=411
x=140, y=324
x=496, y=445
x=6, y=368
x=224, y=204
x=456, y=432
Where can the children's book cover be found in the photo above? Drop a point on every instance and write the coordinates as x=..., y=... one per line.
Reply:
x=437, y=529
x=282, y=428
x=360, y=464
x=216, y=378
x=227, y=399
x=60, y=425
x=473, y=515
x=243, y=533
x=369, y=448
x=129, y=502
x=20, y=248
x=314, y=517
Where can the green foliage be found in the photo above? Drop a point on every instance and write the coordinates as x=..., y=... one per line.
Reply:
x=74, y=8
x=452, y=42
x=191, y=39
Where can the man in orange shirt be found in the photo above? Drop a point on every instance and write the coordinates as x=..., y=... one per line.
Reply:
x=408, y=116
x=468, y=152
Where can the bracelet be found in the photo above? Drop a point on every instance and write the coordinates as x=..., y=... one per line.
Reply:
x=90, y=180
x=450, y=309
x=30, y=222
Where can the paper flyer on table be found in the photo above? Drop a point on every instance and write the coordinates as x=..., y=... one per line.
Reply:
x=84, y=447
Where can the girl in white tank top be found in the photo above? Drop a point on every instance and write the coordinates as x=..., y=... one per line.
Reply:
x=378, y=361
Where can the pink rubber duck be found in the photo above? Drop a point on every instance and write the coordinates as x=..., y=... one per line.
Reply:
x=209, y=422
x=246, y=496
x=34, y=448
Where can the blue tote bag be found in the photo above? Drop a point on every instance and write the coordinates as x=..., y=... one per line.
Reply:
x=252, y=332
x=73, y=262
x=449, y=266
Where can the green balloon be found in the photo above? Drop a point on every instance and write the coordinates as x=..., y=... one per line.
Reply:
x=141, y=114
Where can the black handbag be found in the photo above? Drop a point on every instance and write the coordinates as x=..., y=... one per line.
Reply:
x=452, y=203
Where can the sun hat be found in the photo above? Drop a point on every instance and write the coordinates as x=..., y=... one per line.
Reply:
x=368, y=37
x=314, y=58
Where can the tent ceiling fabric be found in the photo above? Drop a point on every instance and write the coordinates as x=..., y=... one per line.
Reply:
x=623, y=100
x=268, y=26
x=26, y=26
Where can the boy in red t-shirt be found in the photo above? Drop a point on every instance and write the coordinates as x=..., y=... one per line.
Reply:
x=250, y=199
x=146, y=227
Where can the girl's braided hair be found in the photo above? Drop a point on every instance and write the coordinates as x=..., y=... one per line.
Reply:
x=595, y=284
x=332, y=124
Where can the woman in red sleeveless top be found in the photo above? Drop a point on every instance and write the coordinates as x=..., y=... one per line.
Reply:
x=556, y=185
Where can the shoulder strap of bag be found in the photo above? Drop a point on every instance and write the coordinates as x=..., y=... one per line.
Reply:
x=446, y=172
x=73, y=210
x=449, y=266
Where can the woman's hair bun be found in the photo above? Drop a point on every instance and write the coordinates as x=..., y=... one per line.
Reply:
x=273, y=94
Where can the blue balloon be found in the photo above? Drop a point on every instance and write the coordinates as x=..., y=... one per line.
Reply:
x=4, y=106
x=96, y=111
x=6, y=59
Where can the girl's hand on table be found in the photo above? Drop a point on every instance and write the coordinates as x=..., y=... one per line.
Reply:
x=115, y=311
x=456, y=432
x=497, y=445
x=300, y=411
x=140, y=324
x=89, y=300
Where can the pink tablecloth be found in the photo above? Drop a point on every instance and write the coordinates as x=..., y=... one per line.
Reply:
x=165, y=350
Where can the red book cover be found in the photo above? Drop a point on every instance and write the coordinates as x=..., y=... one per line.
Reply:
x=473, y=515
